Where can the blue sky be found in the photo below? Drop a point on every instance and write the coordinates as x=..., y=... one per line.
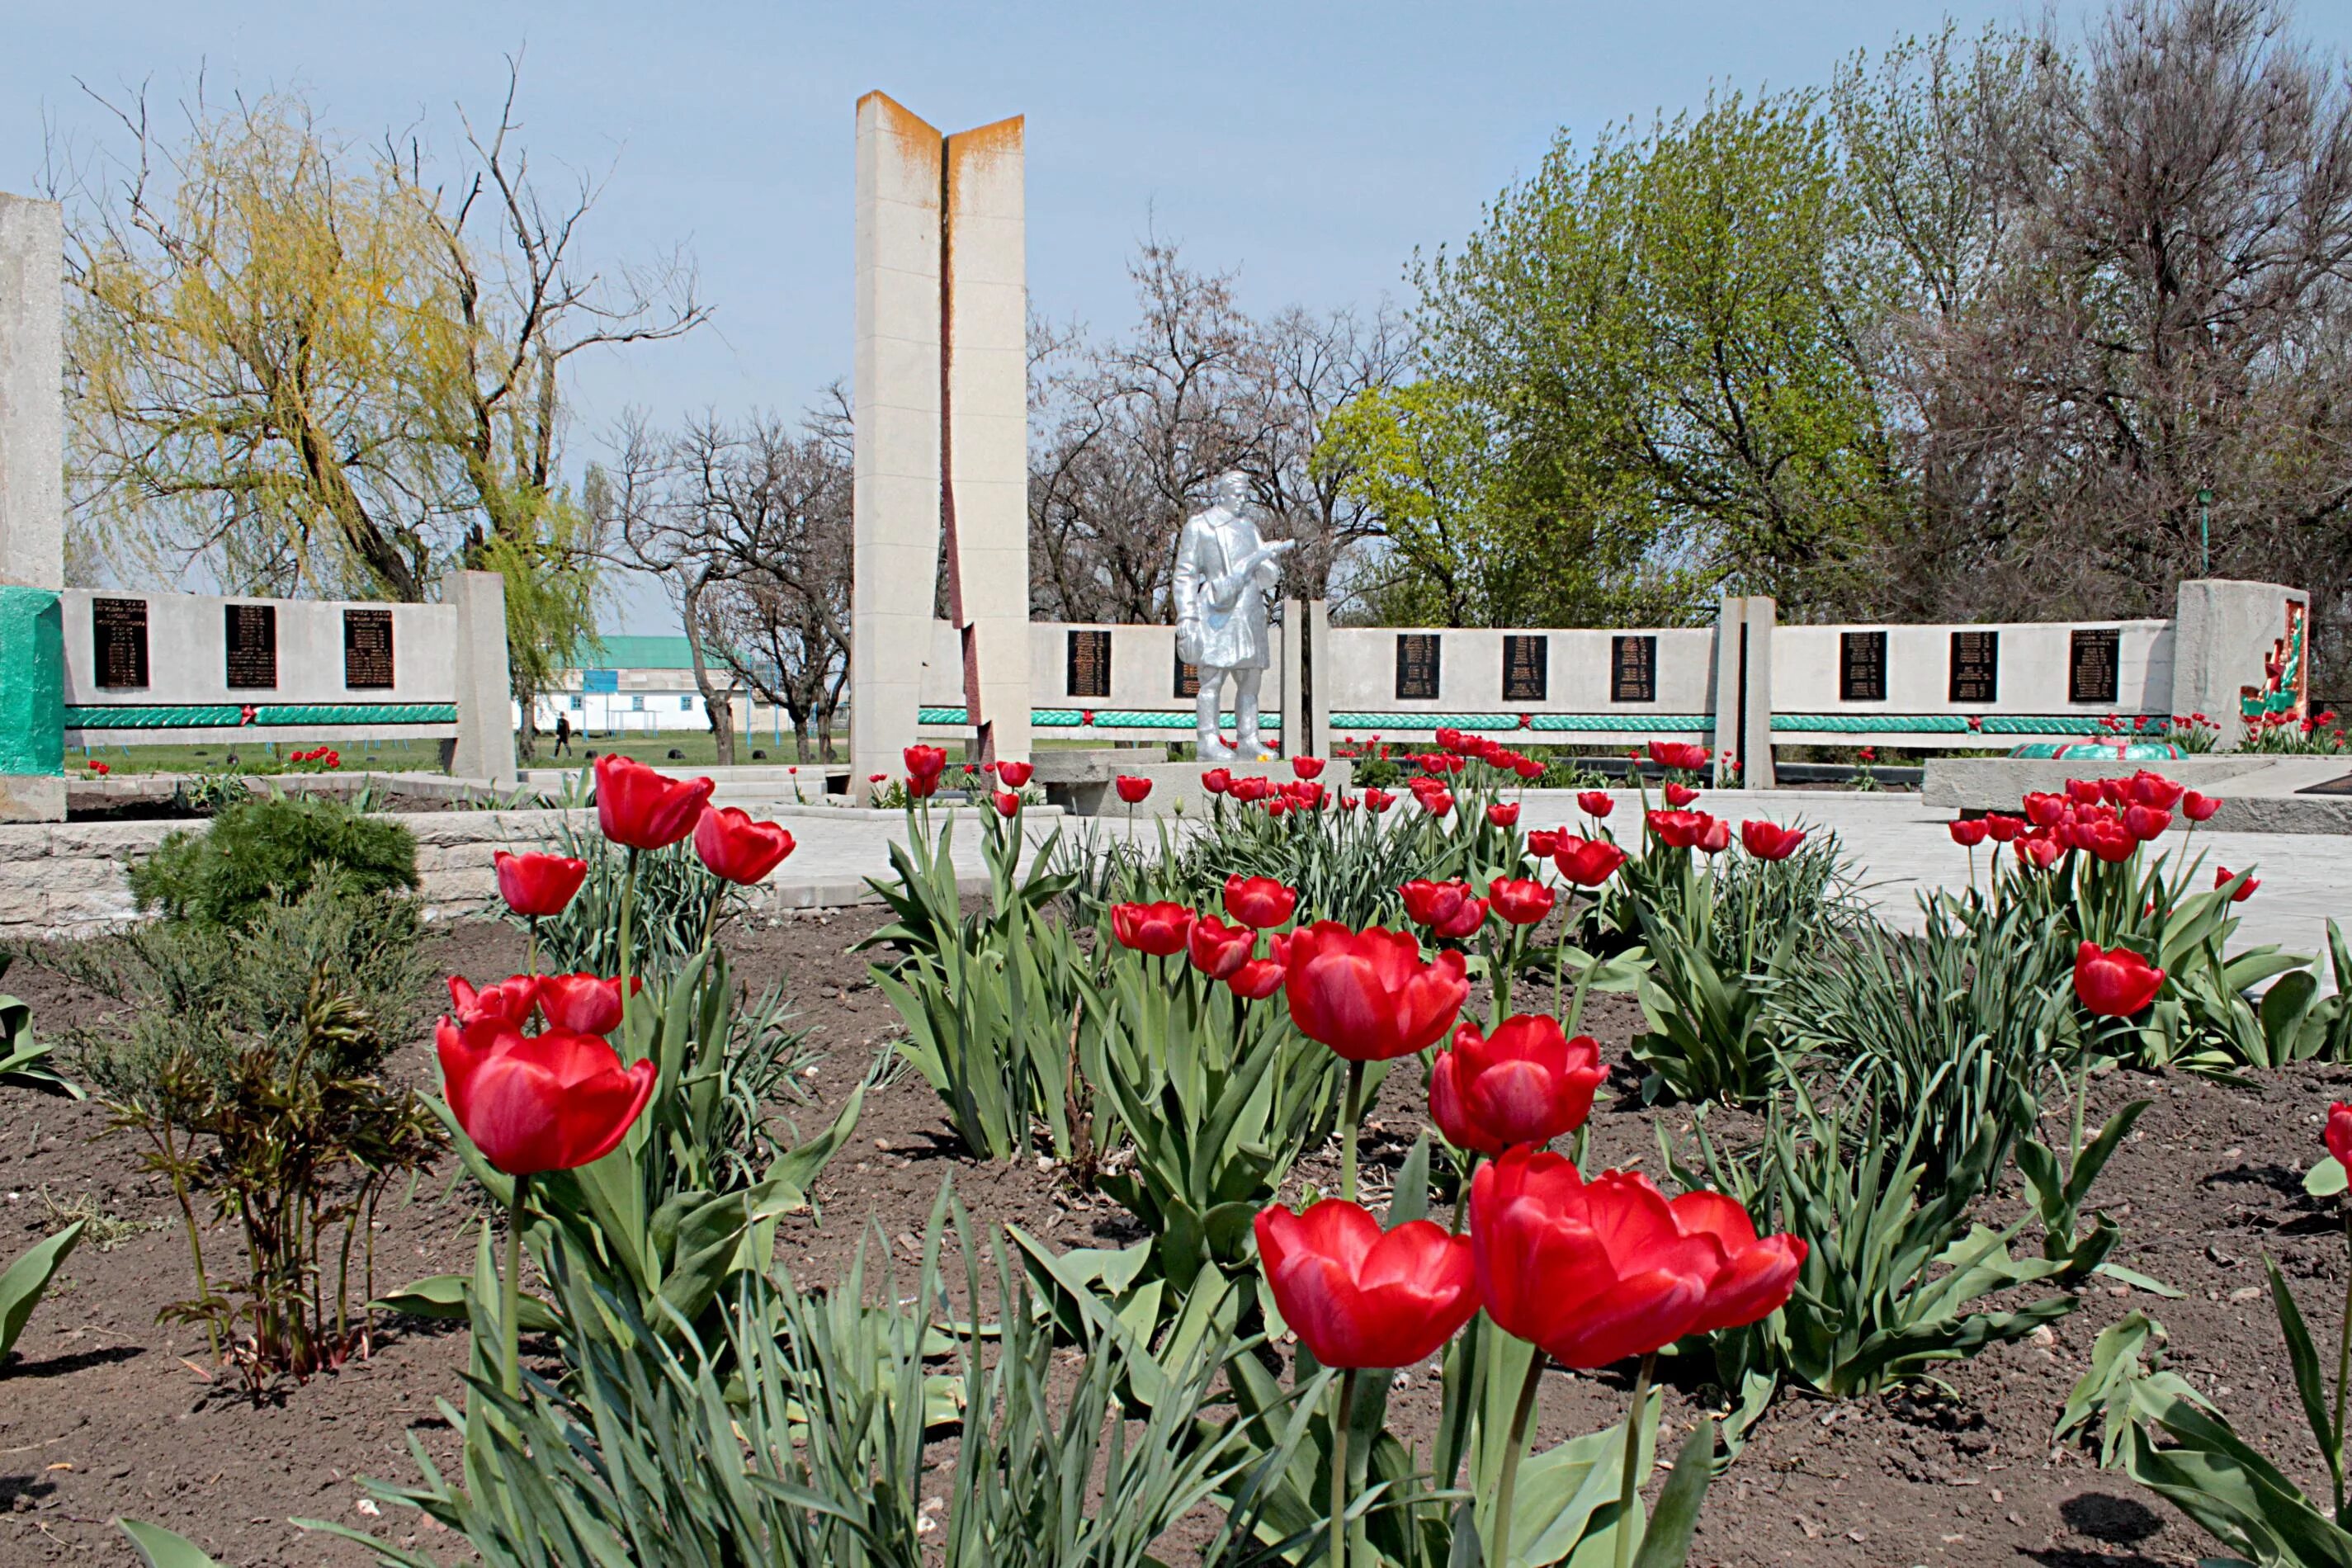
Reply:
x=1311, y=146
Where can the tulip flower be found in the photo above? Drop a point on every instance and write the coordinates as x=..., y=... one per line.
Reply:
x=1519, y=901
x=535, y=886
x=1369, y=998
x=1680, y=829
x=1217, y=781
x=1595, y=803
x=2221, y=877
x=1680, y=796
x=1504, y=814
x=581, y=1004
x=1378, y=801
x=2146, y=823
x=510, y=999
x=1217, y=949
x=1525, y=1083
x=2085, y=792
x=1307, y=767
x=1012, y=775
x=1007, y=802
x=1966, y=833
x=1256, y=980
x=1717, y=836
x=2115, y=983
x=531, y=1103
x=1360, y=1297
x=1769, y=840
x=1251, y=788
x=2045, y=810
x=2153, y=790
x=1588, y=862
x=1447, y=909
x=2110, y=841
x=1681, y=755
x=640, y=808
x=1159, y=929
x=2039, y=853
x=1260, y=903
x=925, y=764
x=2198, y=807
x=1436, y=802
x=2002, y=829
x=1131, y=789
x=2339, y=1133
x=1543, y=843
x=1592, y=1272
x=736, y=849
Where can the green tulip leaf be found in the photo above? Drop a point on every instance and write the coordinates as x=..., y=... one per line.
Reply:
x=443, y=1296
x=161, y=1548
x=21, y=1286
x=2326, y=1179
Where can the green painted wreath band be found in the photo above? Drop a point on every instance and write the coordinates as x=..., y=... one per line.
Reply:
x=266, y=715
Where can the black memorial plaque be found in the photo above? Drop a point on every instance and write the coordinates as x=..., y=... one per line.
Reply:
x=367, y=650
x=1188, y=677
x=2094, y=660
x=252, y=646
x=1089, y=664
x=1633, y=669
x=1526, y=668
x=1862, y=667
x=118, y=641
x=1976, y=667
x=1416, y=667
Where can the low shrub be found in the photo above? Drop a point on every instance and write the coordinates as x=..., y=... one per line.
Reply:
x=266, y=850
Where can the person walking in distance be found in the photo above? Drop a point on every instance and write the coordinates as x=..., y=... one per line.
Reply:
x=562, y=732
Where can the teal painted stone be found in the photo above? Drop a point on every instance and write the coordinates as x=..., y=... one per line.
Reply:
x=2102, y=751
x=32, y=682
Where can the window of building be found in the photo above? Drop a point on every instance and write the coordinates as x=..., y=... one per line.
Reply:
x=685, y=704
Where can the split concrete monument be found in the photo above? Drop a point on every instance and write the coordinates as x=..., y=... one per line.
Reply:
x=940, y=385
x=32, y=511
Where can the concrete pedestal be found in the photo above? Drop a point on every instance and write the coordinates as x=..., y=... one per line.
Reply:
x=1091, y=790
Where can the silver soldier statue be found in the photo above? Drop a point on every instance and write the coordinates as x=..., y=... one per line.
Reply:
x=1223, y=572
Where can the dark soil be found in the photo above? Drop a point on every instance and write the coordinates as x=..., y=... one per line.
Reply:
x=106, y=1411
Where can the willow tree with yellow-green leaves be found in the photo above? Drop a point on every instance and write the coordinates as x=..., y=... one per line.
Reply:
x=301, y=365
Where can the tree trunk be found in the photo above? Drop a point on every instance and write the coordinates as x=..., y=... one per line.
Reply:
x=721, y=707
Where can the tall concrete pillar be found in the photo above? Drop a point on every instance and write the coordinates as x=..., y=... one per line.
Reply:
x=2242, y=651
x=1743, y=687
x=1321, y=678
x=485, y=747
x=940, y=380
x=1290, y=689
x=32, y=511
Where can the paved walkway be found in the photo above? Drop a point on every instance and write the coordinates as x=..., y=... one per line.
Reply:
x=1899, y=844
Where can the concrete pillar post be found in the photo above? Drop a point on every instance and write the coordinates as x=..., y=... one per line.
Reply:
x=1321, y=678
x=32, y=511
x=1743, y=687
x=484, y=746
x=1292, y=688
x=2242, y=655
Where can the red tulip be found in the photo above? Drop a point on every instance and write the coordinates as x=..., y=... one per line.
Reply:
x=510, y=999
x=2085, y=792
x=1769, y=840
x=540, y=1102
x=1012, y=775
x=2339, y=1133
x=2115, y=983
x=1250, y=788
x=1349, y=802
x=1377, y=801
x=1504, y=814
x=1680, y=829
x=1596, y=803
x=1159, y=929
x=1680, y=796
x=2039, y=853
x=1367, y=995
x=1678, y=754
x=924, y=762
x=1526, y=1083
x=2154, y=789
x=2110, y=841
x=1967, y=834
x=2221, y=879
x=1357, y=1296
x=1257, y=980
x=737, y=849
x=1218, y=949
x=1588, y=862
x=539, y=884
x=1436, y=802
x=1131, y=789
x=2045, y=810
x=1521, y=901
x=2198, y=807
x=2003, y=829
x=1307, y=767
x=1447, y=909
x=1759, y=1273
x=1529, y=768
x=1717, y=836
x=640, y=808
x=1006, y=802
x=1543, y=843
x=1259, y=901
x=1591, y=1271
x=2145, y=822
x=584, y=1004
x=1217, y=781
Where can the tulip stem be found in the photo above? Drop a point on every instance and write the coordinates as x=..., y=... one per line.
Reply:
x=1462, y=1194
x=510, y=1296
x=1350, y=1115
x=2343, y=1371
x=629, y=916
x=1340, y=1423
x=1516, y=1445
x=534, y=947
x=1626, y=1487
